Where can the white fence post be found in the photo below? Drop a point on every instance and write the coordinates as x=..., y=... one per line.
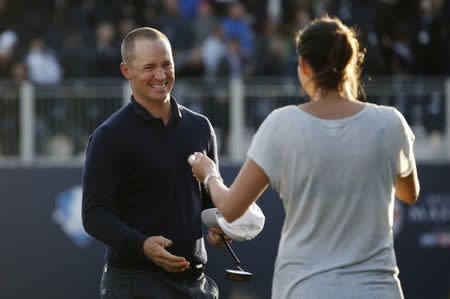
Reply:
x=237, y=123
x=26, y=98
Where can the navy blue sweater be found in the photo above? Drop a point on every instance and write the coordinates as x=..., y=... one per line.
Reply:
x=137, y=183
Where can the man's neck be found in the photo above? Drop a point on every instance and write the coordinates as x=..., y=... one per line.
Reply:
x=161, y=110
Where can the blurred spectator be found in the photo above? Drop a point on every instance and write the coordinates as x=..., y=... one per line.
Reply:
x=95, y=11
x=74, y=55
x=8, y=42
x=260, y=10
x=99, y=24
x=383, y=25
x=125, y=26
x=19, y=72
x=213, y=49
x=193, y=67
x=105, y=57
x=321, y=7
x=384, y=28
x=54, y=34
x=45, y=41
x=177, y=29
x=149, y=16
x=402, y=59
x=271, y=52
x=274, y=11
x=302, y=18
x=131, y=10
x=235, y=62
x=374, y=62
x=205, y=22
x=188, y=8
x=236, y=25
x=89, y=12
x=430, y=37
x=7, y=14
x=42, y=63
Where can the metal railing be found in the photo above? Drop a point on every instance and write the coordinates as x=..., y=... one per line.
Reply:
x=52, y=124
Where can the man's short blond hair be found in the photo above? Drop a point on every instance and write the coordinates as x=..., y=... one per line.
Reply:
x=128, y=43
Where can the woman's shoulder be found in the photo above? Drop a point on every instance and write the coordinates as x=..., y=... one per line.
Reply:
x=382, y=110
x=386, y=116
x=380, y=107
x=278, y=118
x=284, y=111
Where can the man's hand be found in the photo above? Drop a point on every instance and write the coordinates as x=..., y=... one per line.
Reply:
x=214, y=237
x=154, y=249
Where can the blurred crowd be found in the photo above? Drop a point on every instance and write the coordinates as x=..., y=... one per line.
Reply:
x=47, y=41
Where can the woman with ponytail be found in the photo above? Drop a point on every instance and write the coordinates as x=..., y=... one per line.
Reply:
x=337, y=164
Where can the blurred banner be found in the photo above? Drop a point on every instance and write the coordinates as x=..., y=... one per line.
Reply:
x=44, y=252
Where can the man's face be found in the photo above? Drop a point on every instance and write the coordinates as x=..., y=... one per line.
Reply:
x=151, y=71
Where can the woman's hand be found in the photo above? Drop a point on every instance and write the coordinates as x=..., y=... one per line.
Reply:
x=201, y=165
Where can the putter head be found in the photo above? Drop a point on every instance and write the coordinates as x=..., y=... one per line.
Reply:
x=237, y=275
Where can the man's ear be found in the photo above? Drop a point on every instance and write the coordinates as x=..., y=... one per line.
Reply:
x=125, y=70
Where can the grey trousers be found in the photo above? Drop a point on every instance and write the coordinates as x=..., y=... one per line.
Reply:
x=118, y=283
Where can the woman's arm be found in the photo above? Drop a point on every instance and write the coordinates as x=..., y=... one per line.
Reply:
x=407, y=188
x=231, y=202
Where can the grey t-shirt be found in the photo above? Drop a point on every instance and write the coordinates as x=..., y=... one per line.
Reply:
x=336, y=180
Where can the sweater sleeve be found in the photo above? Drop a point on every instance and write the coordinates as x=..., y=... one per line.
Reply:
x=101, y=179
x=213, y=155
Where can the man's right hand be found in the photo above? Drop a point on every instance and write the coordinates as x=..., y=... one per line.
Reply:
x=154, y=249
x=214, y=237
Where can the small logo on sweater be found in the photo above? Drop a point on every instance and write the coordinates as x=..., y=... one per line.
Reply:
x=67, y=214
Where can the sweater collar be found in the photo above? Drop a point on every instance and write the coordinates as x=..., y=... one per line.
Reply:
x=146, y=115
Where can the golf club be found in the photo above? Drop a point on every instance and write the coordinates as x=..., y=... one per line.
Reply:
x=239, y=274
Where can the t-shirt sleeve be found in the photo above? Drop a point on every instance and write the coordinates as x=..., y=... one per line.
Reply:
x=264, y=149
x=406, y=159
x=213, y=155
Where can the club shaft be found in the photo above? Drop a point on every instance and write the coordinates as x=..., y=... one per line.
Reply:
x=231, y=251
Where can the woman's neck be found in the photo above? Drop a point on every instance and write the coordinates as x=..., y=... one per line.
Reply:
x=330, y=96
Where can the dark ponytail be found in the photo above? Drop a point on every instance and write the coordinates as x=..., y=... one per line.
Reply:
x=332, y=50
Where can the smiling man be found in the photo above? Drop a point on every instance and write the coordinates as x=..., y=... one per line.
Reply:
x=139, y=196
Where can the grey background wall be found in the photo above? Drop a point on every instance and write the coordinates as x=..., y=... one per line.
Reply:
x=43, y=253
